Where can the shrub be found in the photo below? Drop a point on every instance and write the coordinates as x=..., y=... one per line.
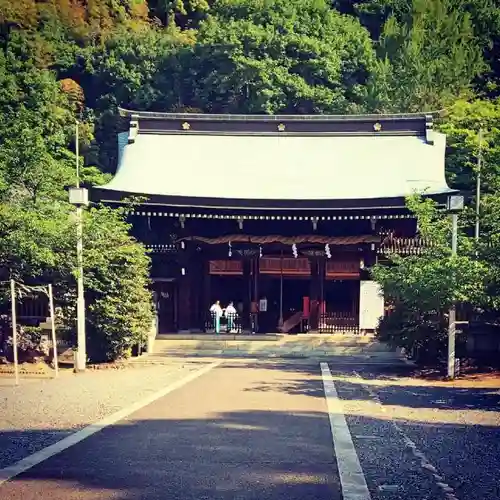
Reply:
x=29, y=345
x=422, y=334
x=119, y=303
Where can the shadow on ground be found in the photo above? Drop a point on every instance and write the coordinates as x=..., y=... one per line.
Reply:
x=252, y=455
x=269, y=454
x=241, y=455
x=411, y=396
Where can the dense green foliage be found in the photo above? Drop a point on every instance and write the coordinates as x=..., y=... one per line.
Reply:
x=62, y=60
x=37, y=231
x=293, y=57
x=422, y=288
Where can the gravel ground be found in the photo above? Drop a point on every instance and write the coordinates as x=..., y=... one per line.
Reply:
x=37, y=413
x=390, y=471
x=447, y=433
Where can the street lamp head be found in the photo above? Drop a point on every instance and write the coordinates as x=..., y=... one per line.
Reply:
x=79, y=196
x=455, y=203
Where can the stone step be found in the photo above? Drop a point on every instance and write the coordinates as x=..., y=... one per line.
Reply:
x=312, y=356
x=253, y=348
x=277, y=352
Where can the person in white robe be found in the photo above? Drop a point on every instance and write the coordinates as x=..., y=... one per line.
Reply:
x=216, y=312
x=230, y=313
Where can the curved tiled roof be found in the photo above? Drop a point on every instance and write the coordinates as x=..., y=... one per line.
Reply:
x=242, y=161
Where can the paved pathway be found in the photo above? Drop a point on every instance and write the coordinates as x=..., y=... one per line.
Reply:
x=276, y=430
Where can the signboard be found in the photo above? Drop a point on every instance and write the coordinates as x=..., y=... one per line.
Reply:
x=371, y=305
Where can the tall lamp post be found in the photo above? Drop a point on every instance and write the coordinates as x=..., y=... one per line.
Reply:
x=455, y=205
x=79, y=197
x=478, y=184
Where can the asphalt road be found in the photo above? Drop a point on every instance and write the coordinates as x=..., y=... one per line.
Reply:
x=263, y=431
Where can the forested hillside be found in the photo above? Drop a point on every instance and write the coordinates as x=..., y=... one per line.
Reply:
x=249, y=56
x=68, y=60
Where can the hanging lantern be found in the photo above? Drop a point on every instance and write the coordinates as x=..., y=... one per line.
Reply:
x=294, y=250
x=260, y=252
x=230, y=251
x=327, y=251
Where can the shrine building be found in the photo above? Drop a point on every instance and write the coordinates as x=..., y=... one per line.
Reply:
x=281, y=215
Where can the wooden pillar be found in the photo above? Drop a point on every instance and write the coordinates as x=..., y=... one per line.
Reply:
x=184, y=287
x=369, y=254
x=256, y=319
x=247, y=278
x=256, y=279
x=207, y=289
x=321, y=277
x=184, y=303
x=371, y=248
x=196, y=278
x=314, y=294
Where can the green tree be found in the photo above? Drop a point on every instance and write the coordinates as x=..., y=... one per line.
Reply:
x=181, y=13
x=291, y=56
x=37, y=232
x=133, y=69
x=124, y=67
x=484, y=15
x=117, y=279
x=426, y=60
x=373, y=14
x=421, y=288
x=462, y=125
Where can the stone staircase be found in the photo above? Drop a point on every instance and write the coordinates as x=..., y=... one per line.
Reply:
x=356, y=348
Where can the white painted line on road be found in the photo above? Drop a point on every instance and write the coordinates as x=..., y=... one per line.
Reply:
x=352, y=479
x=40, y=456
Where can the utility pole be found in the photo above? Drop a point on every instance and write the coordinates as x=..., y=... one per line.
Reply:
x=478, y=184
x=452, y=314
x=79, y=197
x=455, y=204
x=14, y=329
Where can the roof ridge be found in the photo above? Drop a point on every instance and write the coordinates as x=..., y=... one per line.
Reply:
x=154, y=115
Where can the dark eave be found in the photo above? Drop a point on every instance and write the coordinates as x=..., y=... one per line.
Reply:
x=217, y=204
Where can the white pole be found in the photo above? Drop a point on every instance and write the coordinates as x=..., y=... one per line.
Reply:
x=14, y=329
x=81, y=354
x=53, y=327
x=478, y=184
x=454, y=234
x=77, y=151
x=452, y=312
